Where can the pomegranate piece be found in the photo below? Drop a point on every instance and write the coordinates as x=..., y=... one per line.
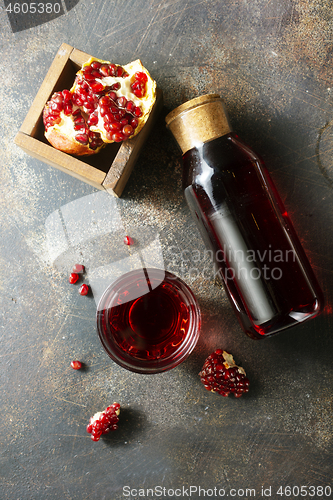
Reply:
x=107, y=103
x=76, y=365
x=73, y=278
x=104, y=422
x=128, y=240
x=220, y=374
x=84, y=289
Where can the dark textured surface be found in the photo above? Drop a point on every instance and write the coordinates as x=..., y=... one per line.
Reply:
x=272, y=62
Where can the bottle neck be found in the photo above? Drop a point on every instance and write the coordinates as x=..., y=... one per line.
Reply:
x=199, y=121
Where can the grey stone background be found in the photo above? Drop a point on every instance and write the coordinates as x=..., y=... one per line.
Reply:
x=272, y=62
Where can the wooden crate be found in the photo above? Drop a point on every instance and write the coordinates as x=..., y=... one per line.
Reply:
x=111, y=167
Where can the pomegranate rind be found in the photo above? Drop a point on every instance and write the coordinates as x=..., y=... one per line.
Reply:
x=62, y=136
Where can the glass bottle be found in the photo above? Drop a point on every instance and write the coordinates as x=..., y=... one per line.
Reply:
x=242, y=220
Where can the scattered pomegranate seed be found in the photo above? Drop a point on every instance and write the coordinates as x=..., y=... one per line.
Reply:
x=220, y=374
x=104, y=422
x=84, y=289
x=76, y=365
x=128, y=240
x=73, y=278
x=78, y=268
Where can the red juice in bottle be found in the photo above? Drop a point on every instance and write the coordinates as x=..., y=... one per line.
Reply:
x=242, y=220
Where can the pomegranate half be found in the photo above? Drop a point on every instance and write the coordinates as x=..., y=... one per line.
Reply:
x=107, y=103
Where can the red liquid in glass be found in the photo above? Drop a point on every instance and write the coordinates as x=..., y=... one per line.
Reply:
x=241, y=217
x=148, y=320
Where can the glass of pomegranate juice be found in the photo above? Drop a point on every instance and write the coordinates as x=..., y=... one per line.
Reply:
x=148, y=320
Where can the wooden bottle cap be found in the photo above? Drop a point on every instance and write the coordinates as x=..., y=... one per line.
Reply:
x=198, y=121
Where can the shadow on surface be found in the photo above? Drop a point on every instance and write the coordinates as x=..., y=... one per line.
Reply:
x=132, y=423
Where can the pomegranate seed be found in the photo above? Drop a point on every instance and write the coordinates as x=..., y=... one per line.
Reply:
x=103, y=110
x=78, y=268
x=119, y=71
x=82, y=138
x=93, y=119
x=139, y=92
x=66, y=95
x=97, y=87
x=137, y=112
x=115, y=126
x=128, y=240
x=104, y=422
x=118, y=137
x=121, y=101
x=76, y=112
x=94, y=135
x=76, y=365
x=104, y=70
x=220, y=374
x=115, y=86
x=123, y=122
x=127, y=130
x=104, y=101
x=73, y=278
x=134, y=122
x=95, y=65
x=56, y=106
x=68, y=109
x=89, y=77
x=79, y=119
x=109, y=118
x=130, y=106
x=84, y=289
x=112, y=69
x=136, y=85
x=140, y=75
x=113, y=96
x=89, y=107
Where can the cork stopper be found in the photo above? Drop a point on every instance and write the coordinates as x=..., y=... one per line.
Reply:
x=198, y=121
